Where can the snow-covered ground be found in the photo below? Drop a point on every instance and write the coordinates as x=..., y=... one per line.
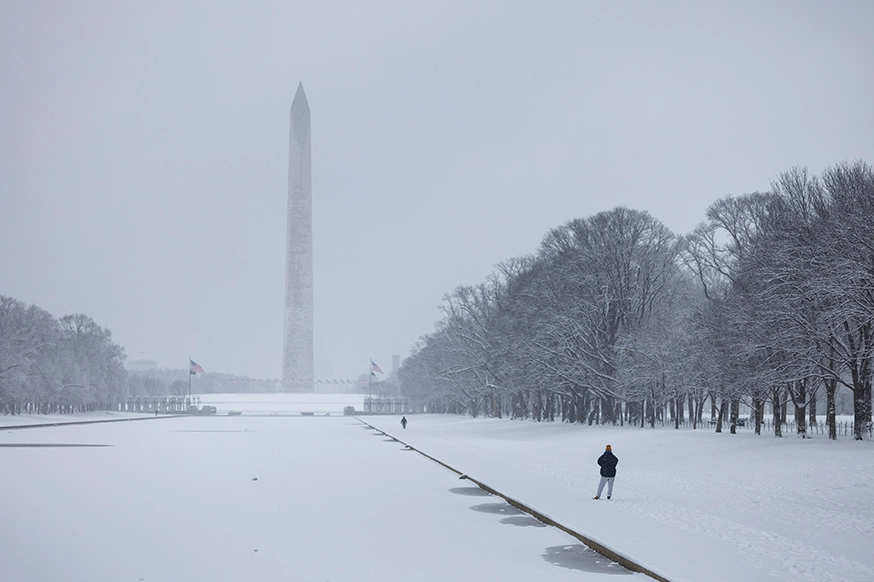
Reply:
x=242, y=498
x=287, y=497
x=689, y=505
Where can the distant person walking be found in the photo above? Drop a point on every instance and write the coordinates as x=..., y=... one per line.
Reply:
x=608, y=462
x=404, y=422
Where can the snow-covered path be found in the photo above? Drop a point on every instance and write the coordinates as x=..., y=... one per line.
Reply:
x=257, y=498
x=690, y=505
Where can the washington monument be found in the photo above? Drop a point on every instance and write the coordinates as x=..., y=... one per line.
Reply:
x=297, y=366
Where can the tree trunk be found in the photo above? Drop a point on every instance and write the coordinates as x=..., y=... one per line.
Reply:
x=859, y=416
x=783, y=411
x=757, y=409
x=692, y=415
x=593, y=414
x=720, y=414
x=778, y=406
x=652, y=412
x=735, y=412
x=799, y=400
x=609, y=411
x=550, y=405
x=811, y=408
x=830, y=416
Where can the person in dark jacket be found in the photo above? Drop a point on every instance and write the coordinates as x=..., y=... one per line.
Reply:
x=404, y=422
x=608, y=462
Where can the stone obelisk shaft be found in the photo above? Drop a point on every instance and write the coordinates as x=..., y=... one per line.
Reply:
x=298, y=350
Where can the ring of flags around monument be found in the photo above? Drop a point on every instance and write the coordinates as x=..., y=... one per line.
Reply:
x=195, y=368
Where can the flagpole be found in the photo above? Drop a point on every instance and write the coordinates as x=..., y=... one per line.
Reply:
x=187, y=404
x=370, y=381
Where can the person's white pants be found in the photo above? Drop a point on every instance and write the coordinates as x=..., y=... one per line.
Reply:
x=609, y=482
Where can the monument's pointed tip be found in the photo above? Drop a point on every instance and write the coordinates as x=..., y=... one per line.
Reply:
x=300, y=98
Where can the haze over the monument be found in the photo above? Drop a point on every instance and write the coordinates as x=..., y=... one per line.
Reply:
x=144, y=149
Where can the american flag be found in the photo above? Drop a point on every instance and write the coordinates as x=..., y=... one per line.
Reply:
x=194, y=367
x=375, y=368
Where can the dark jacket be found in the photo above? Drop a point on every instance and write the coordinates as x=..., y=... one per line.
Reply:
x=608, y=462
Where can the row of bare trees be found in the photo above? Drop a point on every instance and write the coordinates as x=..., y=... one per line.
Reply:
x=71, y=364
x=55, y=365
x=615, y=319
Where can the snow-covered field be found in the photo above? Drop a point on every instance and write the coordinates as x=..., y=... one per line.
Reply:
x=286, y=497
x=689, y=505
x=242, y=498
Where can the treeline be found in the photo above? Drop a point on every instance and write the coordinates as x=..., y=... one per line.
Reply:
x=56, y=365
x=71, y=364
x=615, y=319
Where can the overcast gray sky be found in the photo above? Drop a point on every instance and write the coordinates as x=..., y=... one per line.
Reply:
x=143, y=149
